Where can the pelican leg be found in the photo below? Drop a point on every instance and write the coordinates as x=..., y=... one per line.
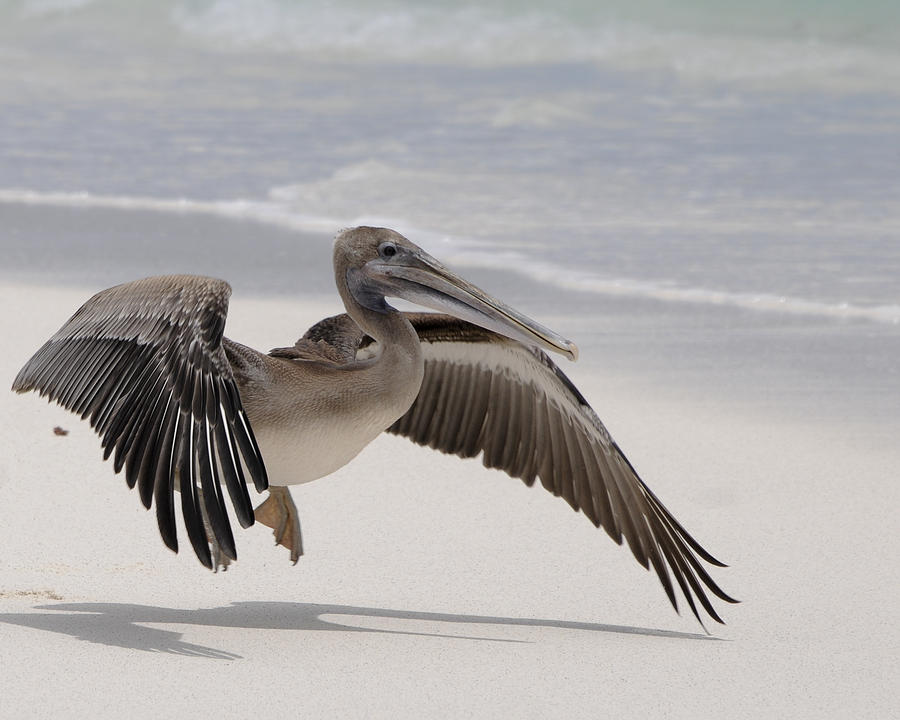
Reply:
x=279, y=513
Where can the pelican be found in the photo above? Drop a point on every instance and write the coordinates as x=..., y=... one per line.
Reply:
x=181, y=407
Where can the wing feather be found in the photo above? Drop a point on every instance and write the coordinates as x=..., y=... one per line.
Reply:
x=483, y=393
x=144, y=361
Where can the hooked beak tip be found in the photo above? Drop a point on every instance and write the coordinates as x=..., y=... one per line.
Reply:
x=426, y=282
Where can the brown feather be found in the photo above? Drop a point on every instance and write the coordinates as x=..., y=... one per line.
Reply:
x=136, y=358
x=483, y=393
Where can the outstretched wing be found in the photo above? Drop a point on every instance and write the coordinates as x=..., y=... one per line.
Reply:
x=485, y=393
x=144, y=362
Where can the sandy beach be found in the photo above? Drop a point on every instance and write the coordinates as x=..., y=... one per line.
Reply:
x=433, y=587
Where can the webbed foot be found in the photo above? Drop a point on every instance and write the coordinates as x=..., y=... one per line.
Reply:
x=279, y=513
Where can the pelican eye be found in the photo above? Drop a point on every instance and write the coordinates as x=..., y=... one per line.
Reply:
x=387, y=250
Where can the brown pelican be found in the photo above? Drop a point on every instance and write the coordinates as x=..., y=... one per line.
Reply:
x=179, y=406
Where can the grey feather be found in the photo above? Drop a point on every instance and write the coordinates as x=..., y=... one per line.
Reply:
x=145, y=360
x=484, y=393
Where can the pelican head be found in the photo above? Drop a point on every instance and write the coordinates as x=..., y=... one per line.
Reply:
x=375, y=263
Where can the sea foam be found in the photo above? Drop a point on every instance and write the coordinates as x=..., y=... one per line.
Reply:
x=472, y=252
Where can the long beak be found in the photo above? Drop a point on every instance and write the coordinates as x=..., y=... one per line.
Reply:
x=420, y=279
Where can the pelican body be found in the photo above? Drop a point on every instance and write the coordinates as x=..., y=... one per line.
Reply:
x=181, y=407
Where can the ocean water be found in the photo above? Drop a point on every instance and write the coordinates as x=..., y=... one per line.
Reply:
x=687, y=158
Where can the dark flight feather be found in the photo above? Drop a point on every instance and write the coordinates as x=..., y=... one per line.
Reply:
x=518, y=409
x=145, y=361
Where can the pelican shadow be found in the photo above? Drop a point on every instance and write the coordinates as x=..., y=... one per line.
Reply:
x=123, y=625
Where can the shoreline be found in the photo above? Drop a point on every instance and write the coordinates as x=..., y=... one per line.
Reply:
x=791, y=366
x=281, y=229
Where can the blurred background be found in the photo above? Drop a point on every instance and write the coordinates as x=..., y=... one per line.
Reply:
x=702, y=193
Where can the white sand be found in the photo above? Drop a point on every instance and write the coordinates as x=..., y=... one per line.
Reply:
x=434, y=588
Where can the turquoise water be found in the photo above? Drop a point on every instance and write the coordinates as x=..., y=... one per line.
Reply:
x=705, y=153
x=824, y=41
